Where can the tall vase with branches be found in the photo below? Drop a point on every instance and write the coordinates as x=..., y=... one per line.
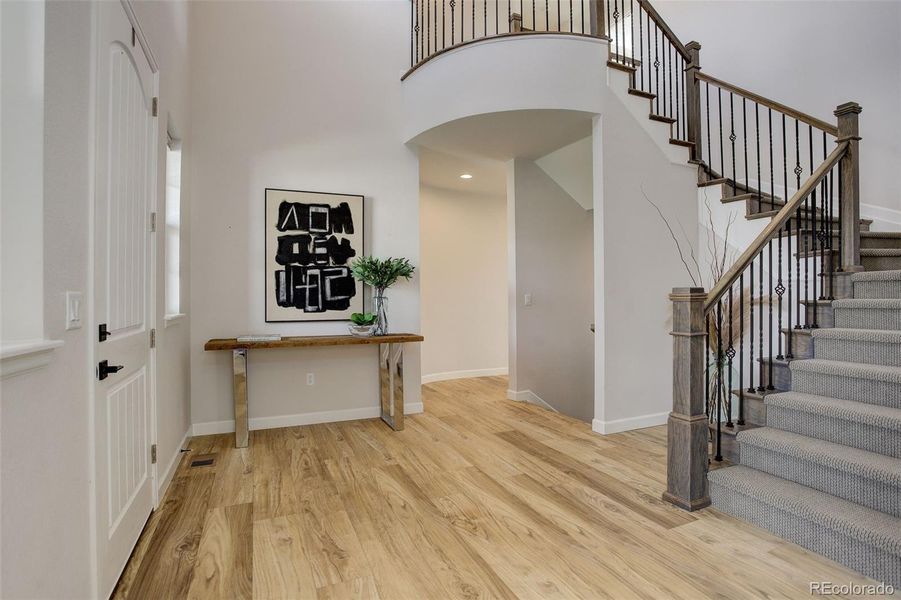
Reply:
x=725, y=334
x=380, y=274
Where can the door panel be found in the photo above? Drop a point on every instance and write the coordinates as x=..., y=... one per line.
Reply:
x=124, y=184
x=126, y=438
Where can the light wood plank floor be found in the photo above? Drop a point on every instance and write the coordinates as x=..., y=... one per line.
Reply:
x=478, y=497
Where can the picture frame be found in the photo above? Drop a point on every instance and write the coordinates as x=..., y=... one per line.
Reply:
x=310, y=240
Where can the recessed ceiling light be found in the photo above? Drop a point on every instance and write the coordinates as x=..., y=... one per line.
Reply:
x=465, y=176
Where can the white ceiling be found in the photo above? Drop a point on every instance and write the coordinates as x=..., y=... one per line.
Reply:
x=505, y=135
x=437, y=169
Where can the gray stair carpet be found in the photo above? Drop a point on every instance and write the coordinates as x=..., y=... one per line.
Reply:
x=868, y=313
x=862, y=538
x=854, y=424
x=825, y=471
x=877, y=284
x=871, y=384
x=872, y=480
x=871, y=346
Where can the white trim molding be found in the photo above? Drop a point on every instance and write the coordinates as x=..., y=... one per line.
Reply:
x=433, y=377
x=313, y=418
x=530, y=397
x=880, y=213
x=21, y=357
x=165, y=478
x=628, y=424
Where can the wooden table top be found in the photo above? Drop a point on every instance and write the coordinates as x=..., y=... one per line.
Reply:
x=307, y=341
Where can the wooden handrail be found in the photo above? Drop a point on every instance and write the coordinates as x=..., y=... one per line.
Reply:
x=661, y=24
x=787, y=212
x=829, y=128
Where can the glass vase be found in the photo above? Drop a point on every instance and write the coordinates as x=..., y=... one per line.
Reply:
x=380, y=309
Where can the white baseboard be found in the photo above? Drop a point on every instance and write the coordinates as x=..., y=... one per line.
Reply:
x=165, y=478
x=328, y=416
x=881, y=214
x=530, y=397
x=640, y=422
x=446, y=376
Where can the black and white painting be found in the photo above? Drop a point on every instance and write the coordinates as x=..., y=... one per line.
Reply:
x=311, y=238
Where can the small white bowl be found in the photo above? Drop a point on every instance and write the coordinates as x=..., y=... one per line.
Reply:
x=361, y=330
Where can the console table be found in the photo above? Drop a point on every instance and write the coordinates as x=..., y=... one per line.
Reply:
x=391, y=361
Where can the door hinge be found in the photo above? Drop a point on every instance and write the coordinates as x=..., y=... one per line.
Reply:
x=102, y=332
x=155, y=106
x=153, y=338
x=152, y=222
x=153, y=454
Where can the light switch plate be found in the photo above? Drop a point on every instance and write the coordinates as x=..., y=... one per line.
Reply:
x=74, y=310
x=527, y=299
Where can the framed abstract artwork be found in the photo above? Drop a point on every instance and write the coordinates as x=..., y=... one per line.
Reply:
x=311, y=238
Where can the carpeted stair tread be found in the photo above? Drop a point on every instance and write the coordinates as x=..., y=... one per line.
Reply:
x=870, y=346
x=881, y=303
x=884, y=469
x=858, y=522
x=880, y=251
x=880, y=336
x=847, y=369
x=846, y=410
x=876, y=276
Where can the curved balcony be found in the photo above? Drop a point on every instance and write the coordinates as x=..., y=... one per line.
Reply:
x=437, y=26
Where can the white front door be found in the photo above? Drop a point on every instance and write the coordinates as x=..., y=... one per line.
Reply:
x=123, y=408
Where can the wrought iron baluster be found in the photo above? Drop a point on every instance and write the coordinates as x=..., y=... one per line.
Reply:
x=762, y=384
x=812, y=211
x=751, y=388
x=741, y=349
x=656, y=67
x=730, y=354
x=780, y=289
x=669, y=54
x=641, y=65
x=413, y=33
x=632, y=32
x=678, y=100
x=719, y=379
x=769, y=305
x=744, y=137
x=757, y=136
x=707, y=365
x=732, y=138
x=719, y=99
x=707, y=111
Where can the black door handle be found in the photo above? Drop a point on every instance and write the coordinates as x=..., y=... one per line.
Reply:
x=104, y=369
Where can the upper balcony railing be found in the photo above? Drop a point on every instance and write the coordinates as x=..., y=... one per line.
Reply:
x=439, y=25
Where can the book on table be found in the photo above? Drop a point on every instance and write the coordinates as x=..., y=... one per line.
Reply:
x=260, y=337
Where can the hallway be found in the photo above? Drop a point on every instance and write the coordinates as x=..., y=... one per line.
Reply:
x=478, y=497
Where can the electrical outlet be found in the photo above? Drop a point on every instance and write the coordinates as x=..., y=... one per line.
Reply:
x=527, y=300
x=311, y=379
x=73, y=310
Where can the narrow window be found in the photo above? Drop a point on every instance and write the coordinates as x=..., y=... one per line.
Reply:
x=173, y=227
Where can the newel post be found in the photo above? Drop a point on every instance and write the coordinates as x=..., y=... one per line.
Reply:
x=849, y=166
x=693, y=98
x=598, y=23
x=687, y=434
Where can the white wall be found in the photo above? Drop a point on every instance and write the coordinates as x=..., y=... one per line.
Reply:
x=46, y=445
x=637, y=266
x=813, y=56
x=45, y=468
x=553, y=345
x=21, y=184
x=463, y=284
x=297, y=95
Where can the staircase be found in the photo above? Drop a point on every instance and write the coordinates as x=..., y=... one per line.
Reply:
x=815, y=453
x=825, y=470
